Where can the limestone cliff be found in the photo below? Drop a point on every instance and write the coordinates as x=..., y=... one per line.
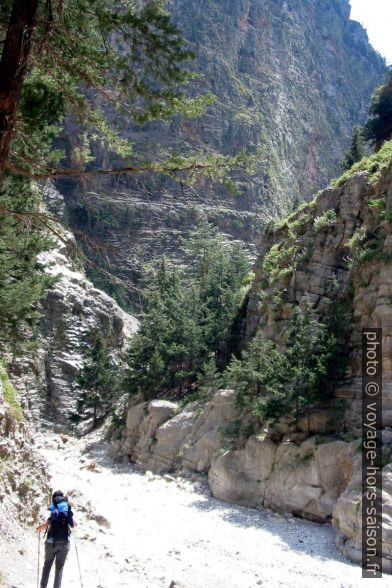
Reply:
x=291, y=79
x=72, y=312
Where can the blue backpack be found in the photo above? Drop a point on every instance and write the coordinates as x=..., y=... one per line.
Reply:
x=60, y=513
x=59, y=510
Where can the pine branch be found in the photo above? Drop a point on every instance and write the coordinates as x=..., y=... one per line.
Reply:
x=67, y=173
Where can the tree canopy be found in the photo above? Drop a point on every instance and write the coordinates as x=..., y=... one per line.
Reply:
x=78, y=57
x=187, y=316
x=378, y=128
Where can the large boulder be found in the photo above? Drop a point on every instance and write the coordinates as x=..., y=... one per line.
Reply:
x=307, y=479
x=207, y=432
x=241, y=476
x=347, y=516
x=304, y=479
x=166, y=450
x=135, y=416
x=157, y=412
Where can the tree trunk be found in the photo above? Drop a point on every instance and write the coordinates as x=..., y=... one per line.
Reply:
x=13, y=67
x=95, y=409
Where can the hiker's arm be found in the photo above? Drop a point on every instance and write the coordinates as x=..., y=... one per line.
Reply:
x=43, y=527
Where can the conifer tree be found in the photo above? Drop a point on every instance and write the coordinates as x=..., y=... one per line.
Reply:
x=99, y=381
x=187, y=317
x=274, y=383
x=258, y=377
x=76, y=58
x=356, y=151
x=166, y=350
x=309, y=349
x=22, y=280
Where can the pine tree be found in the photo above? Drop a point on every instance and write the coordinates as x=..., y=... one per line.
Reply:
x=133, y=57
x=126, y=54
x=356, y=151
x=99, y=381
x=258, y=377
x=75, y=58
x=166, y=350
x=209, y=380
x=221, y=272
x=309, y=349
x=273, y=383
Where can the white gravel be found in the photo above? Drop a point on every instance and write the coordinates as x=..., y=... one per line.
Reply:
x=156, y=530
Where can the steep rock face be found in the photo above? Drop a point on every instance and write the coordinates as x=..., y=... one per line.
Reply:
x=23, y=479
x=291, y=80
x=345, y=233
x=340, y=236
x=73, y=311
x=347, y=516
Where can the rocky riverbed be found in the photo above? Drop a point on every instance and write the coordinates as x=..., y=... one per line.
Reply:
x=150, y=531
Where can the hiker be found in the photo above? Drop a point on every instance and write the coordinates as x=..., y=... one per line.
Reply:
x=57, y=542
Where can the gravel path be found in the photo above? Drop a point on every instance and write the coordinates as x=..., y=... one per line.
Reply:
x=144, y=531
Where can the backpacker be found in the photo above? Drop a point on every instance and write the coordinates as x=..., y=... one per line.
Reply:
x=60, y=512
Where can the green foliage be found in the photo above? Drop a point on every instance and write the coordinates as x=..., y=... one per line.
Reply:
x=374, y=252
x=22, y=282
x=374, y=165
x=279, y=261
x=11, y=396
x=356, y=241
x=387, y=215
x=366, y=245
x=187, y=318
x=299, y=225
x=377, y=204
x=272, y=383
x=356, y=151
x=100, y=382
x=208, y=380
x=327, y=220
x=300, y=215
x=258, y=373
x=378, y=128
x=338, y=323
x=235, y=433
x=128, y=55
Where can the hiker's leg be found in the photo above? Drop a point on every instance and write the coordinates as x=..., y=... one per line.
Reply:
x=49, y=557
x=61, y=555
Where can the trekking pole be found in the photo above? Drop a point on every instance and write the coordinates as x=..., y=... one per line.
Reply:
x=39, y=547
x=77, y=557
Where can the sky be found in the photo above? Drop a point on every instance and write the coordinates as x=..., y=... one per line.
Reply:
x=376, y=17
